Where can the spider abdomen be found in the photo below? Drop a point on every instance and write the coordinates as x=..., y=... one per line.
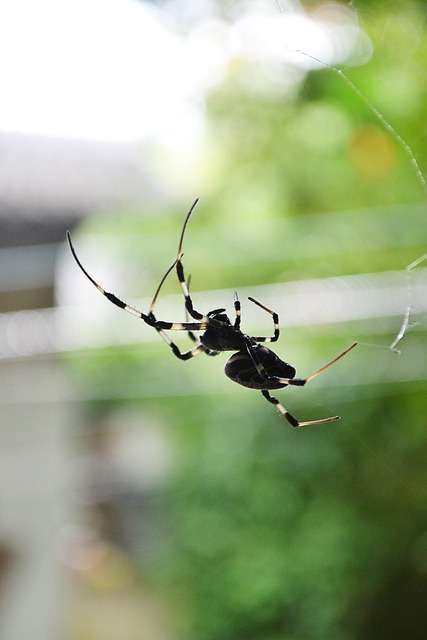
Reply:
x=241, y=369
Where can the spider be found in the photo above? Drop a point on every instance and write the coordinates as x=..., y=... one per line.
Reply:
x=253, y=365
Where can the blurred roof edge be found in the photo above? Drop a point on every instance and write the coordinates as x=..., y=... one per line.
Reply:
x=47, y=182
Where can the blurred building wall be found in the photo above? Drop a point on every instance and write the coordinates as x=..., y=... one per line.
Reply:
x=46, y=186
x=34, y=476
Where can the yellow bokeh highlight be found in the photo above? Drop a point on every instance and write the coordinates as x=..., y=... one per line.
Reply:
x=372, y=152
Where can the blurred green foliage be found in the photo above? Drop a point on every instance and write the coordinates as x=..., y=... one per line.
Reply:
x=289, y=534
x=274, y=533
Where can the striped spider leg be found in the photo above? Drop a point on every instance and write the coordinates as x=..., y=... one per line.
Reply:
x=265, y=371
x=149, y=318
x=186, y=355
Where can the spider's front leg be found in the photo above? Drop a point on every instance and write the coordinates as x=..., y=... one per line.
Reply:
x=180, y=270
x=149, y=318
x=111, y=297
x=193, y=337
x=160, y=327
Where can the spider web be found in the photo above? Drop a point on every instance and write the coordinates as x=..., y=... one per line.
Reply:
x=407, y=322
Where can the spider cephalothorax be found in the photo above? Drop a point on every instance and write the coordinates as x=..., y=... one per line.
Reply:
x=252, y=365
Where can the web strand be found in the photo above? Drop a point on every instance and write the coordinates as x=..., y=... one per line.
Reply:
x=379, y=116
x=406, y=322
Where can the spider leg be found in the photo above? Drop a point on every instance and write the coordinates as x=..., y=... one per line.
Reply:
x=209, y=352
x=186, y=355
x=150, y=319
x=205, y=320
x=110, y=296
x=298, y=382
x=291, y=381
x=182, y=355
x=275, y=316
x=237, y=308
x=289, y=417
x=156, y=295
x=180, y=270
x=191, y=335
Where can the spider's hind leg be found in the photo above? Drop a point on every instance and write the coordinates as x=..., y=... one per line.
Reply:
x=289, y=417
x=300, y=382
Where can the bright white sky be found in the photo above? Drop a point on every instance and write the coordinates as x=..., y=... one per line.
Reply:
x=109, y=69
x=87, y=68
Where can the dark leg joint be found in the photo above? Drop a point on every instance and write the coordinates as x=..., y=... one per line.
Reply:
x=115, y=300
x=297, y=382
x=180, y=271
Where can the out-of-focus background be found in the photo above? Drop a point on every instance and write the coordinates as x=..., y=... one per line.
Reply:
x=142, y=497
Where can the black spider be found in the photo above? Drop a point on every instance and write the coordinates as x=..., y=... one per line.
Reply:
x=252, y=365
